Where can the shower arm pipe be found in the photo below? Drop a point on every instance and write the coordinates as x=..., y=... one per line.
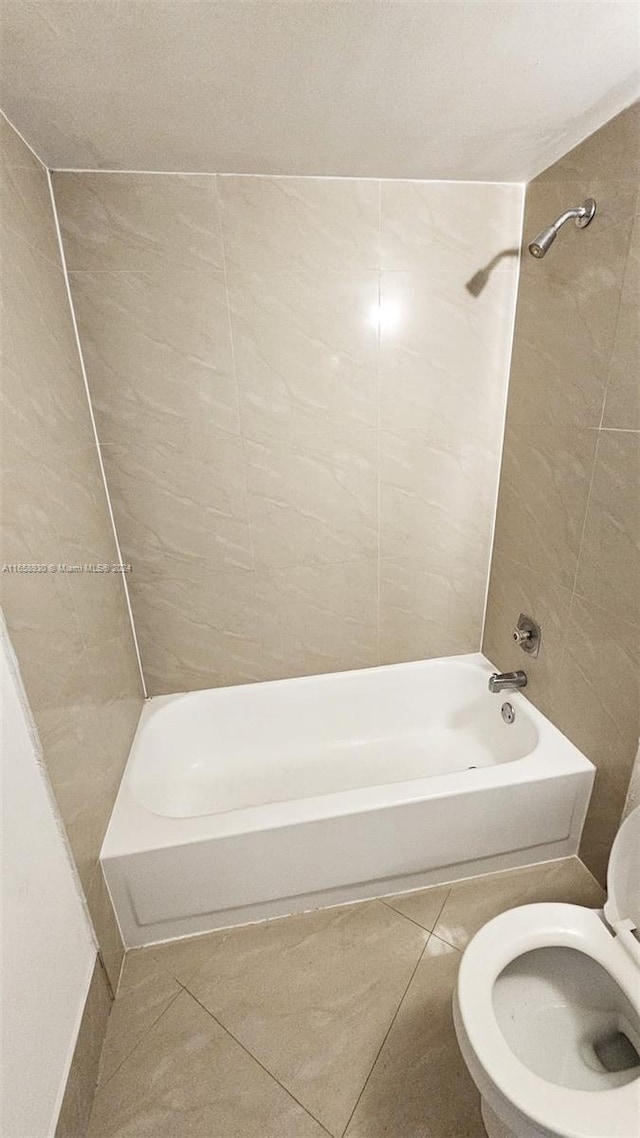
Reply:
x=578, y=212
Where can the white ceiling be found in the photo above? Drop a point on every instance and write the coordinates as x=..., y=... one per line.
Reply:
x=461, y=89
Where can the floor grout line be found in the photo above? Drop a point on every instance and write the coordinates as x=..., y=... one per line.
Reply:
x=412, y=921
x=386, y=1035
x=256, y=1060
x=102, y=1084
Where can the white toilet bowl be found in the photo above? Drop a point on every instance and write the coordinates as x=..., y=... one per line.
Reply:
x=547, y=1012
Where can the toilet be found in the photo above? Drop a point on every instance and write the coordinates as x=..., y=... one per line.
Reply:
x=547, y=1011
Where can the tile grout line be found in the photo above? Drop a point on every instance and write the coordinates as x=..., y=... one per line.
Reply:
x=23, y=139
x=87, y=389
x=255, y=1059
x=397, y=1012
x=505, y=409
x=617, y=326
x=386, y=1035
x=102, y=1084
x=274, y=176
x=410, y=919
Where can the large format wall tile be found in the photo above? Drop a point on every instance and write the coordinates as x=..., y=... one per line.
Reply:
x=622, y=407
x=444, y=354
x=305, y=345
x=70, y=631
x=170, y=500
x=299, y=427
x=448, y=226
x=609, y=569
x=567, y=545
x=429, y=611
x=138, y=222
x=25, y=201
x=270, y=224
x=544, y=489
x=314, y=497
x=158, y=350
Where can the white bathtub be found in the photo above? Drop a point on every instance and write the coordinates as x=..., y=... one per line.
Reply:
x=256, y=801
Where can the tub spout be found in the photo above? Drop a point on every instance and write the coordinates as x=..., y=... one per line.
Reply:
x=507, y=681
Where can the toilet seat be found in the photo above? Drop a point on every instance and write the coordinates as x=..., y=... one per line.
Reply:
x=561, y=1110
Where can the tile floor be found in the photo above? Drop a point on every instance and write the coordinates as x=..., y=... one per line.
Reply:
x=334, y=1023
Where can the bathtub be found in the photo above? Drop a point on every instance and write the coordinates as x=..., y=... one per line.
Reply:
x=243, y=803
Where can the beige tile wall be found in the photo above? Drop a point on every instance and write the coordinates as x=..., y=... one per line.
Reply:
x=71, y=633
x=300, y=407
x=567, y=544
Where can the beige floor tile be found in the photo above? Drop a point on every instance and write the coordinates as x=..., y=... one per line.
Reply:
x=144, y=993
x=420, y=1087
x=313, y=996
x=184, y=957
x=189, y=1079
x=423, y=907
x=472, y=903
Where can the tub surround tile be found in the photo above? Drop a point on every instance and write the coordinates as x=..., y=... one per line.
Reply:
x=313, y=499
x=157, y=349
x=444, y=516
x=544, y=490
x=622, y=406
x=422, y=906
x=25, y=202
x=71, y=633
x=41, y=618
x=189, y=1076
x=472, y=903
x=271, y=224
x=609, y=568
x=313, y=996
x=444, y=354
x=305, y=345
x=85, y=735
x=427, y=612
x=448, y=227
x=567, y=542
x=144, y=993
x=138, y=222
x=172, y=503
x=45, y=402
x=561, y=352
x=257, y=308
x=198, y=626
x=323, y=617
x=420, y=1085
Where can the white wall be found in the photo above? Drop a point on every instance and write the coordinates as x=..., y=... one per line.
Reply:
x=48, y=953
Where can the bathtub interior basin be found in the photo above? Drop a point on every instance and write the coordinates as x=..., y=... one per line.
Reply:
x=231, y=748
x=244, y=803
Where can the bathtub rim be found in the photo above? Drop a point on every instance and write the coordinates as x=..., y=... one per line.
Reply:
x=134, y=829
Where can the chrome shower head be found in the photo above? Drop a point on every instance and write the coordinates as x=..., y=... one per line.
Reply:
x=543, y=240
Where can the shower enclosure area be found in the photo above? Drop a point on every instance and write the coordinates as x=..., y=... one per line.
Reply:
x=293, y=439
